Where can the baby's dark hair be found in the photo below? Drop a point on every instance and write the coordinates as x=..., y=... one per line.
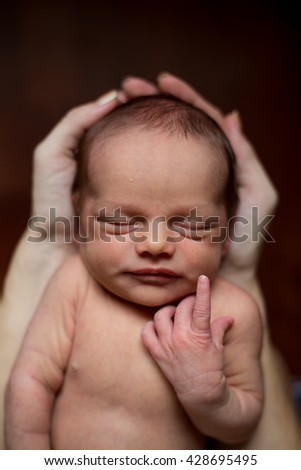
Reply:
x=171, y=116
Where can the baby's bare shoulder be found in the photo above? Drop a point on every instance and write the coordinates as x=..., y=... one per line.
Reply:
x=71, y=269
x=71, y=278
x=230, y=299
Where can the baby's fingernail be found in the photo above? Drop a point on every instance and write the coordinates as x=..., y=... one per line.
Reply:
x=203, y=279
x=110, y=96
x=237, y=119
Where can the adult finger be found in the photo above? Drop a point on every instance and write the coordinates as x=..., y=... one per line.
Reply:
x=64, y=138
x=200, y=322
x=135, y=86
x=251, y=175
x=169, y=83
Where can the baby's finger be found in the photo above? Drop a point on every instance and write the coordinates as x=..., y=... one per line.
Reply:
x=134, y=86
x=219, y=328
x=169, y=83
x=150, y=339
x=200, y=322
x=183, y=315
x=163, y=322
x=64, y=138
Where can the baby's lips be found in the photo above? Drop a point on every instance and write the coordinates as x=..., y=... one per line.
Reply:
x=156, y=271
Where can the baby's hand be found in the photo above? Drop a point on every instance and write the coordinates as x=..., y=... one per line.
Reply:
x=189, y=349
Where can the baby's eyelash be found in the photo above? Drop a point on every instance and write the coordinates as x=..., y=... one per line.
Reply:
x=109, y=220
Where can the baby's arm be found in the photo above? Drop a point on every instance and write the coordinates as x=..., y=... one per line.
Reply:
x=215, y=373
x=39, y=370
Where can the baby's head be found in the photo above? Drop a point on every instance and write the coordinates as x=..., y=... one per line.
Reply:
x=172, y=118
x=156, y=176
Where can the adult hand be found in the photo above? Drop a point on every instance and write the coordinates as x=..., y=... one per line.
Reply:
x=54, y=162
x=53, y=175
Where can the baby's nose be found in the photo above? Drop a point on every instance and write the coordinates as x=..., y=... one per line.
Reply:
x=156, y=242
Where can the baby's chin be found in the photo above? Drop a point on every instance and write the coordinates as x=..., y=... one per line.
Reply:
x=155, y=300
x=147, y=295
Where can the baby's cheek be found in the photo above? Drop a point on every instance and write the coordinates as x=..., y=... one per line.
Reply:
x=93, y=256
x=214, y=260
x=207, y=259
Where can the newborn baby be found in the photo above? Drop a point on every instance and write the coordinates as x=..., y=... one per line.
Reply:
x=130, y=347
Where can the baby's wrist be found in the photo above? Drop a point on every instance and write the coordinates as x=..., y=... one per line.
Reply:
x=205, y=402
x=210, y=413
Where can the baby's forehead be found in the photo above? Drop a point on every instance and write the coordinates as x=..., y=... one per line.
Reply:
x=158, y=164
x=143, y=146
x=152, y=159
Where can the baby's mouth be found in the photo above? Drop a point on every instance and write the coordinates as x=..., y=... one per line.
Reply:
x=155, y=275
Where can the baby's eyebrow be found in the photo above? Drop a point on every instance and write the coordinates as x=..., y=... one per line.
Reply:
x=112, y=209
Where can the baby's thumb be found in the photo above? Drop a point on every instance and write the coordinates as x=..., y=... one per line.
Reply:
x=219, y=327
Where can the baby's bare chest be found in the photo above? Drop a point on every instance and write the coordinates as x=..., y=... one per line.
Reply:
x=108, y=362
x=113, y=390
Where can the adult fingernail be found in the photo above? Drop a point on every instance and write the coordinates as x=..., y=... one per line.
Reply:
x=164, y=74
x=121, y=97
x=126, y=79
x=110, y=96
x=237, y=119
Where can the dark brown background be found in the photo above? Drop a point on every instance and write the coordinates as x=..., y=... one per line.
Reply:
x=55, y=55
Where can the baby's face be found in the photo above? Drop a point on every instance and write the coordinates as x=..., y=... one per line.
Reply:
x=156, y=177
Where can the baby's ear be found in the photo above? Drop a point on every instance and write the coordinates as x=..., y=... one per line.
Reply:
x=75, y=197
